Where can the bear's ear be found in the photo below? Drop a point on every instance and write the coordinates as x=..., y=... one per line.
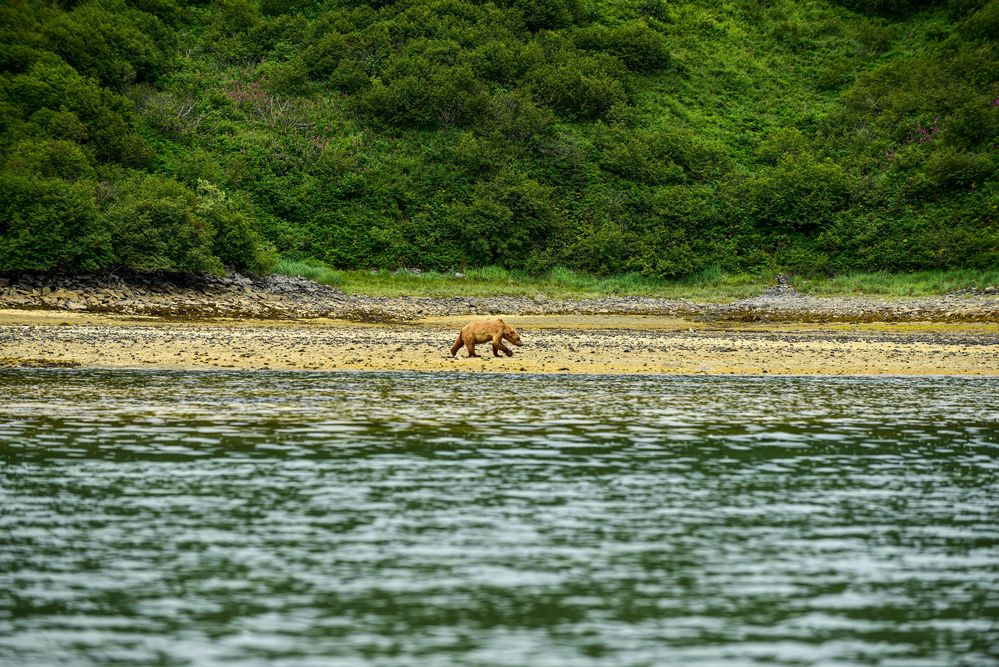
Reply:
x=500, y=320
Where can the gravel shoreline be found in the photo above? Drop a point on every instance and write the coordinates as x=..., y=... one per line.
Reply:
x=587, y=344
x=288, y=298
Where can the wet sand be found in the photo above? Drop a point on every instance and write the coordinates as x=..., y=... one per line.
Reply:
x=552, y=344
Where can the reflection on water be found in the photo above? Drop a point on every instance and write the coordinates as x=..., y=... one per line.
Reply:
x=166, y=518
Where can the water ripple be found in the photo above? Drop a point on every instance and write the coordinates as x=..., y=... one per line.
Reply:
x=169, y=518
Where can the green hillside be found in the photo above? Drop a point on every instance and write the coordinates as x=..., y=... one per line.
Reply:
x=664, y=138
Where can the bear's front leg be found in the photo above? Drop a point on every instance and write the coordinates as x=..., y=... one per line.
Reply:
x=470, y=346
x=498, y=345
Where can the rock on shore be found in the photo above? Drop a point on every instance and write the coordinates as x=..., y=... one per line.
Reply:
x=283, y=297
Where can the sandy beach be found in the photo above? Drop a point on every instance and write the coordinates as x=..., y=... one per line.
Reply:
x=552, y=344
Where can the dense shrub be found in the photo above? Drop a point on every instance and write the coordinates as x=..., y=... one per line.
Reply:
x=48, y=224
x=156, y=226
x=104, y=120
x=785, y=142
x=661, y=155
x=514, y=117
x=547, y=14
x=940, y=237
x=982, y=24
x=950, y=169
x=638, y=46
x=800, y=193
x=667, y=253
x=502, y=61
x=889, y=7
x=507, y=222
x=676, y=228
x=578, y=86
x=168, y=11
x=640, y=157
x=236, y=243
x=108, y=41
x=50, y=158
x=603, y=248
x=422, y=94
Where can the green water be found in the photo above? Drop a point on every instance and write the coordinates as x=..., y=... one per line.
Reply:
x=266, y=518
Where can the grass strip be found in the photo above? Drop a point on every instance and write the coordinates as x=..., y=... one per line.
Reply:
x=712, y=284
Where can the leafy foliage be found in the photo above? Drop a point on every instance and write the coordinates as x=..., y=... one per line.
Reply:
x=48, y=224
x=155, y=227
x=666, y=139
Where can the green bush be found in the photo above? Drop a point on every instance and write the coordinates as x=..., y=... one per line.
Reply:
x=951, y=169
x=167, y=11
x=114, y=44
x=60, y=124
x=50, y=158
x=800, y=193
x=638, y=46
x=639, y=157
x=502, y=61
x=958, y=233
x=666, y=253
x=601, y=249
x=578, y=86
x=889, y=7
x=345, y=238
x=49, y=224
x=547, y=14
x=675, y=231
x=973, y=124
x=110, y=124
x=236, y=243
x=235, y=16
x=288, y=78
x=416, y=91
x=507, y=223
x=279, y=7
x=785, y=142
x=514, y=117
x=982, y=24
x=155, y=226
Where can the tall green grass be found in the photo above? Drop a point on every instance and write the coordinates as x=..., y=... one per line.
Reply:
x=919, y=283
x=312, y=270
x=559, y=283
x=712, y=284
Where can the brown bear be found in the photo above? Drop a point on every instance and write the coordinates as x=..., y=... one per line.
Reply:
x=480, y=332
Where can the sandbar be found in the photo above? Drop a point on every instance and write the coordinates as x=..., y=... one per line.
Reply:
x=597, y=344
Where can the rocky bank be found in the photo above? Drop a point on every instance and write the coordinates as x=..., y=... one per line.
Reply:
x=284, y=298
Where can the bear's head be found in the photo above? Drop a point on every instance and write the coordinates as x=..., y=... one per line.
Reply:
x=511, y=335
